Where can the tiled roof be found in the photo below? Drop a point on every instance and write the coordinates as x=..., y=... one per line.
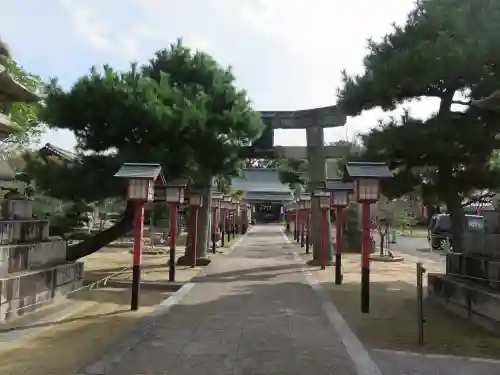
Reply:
x=63, y=154
x=260, y=180
x=256, y=196
x=140, y=171
x=367, y=170
x=336, y=184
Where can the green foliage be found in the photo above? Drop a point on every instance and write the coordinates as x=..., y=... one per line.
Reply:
x=446, y=47
x=89, y=179
x=263, y=163
x=71, y=220
x=181, y=110
x=23, y=114
x=292, y=172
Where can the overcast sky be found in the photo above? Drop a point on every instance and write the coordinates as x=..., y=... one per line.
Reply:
x=287, y=54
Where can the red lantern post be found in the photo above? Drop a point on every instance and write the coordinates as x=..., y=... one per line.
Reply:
x=307, y=219
x=287, y=219
x=297, y=221
x=229, y=222
x=225, y=205
x=141, y=178
x=216, y=198
x=174, y=196
x=366, y=176
x=340, y=199
x=324, y=206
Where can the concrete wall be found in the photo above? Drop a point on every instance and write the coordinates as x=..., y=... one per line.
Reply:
x=473, y=303
x=26, y=289
x=33, y=268
x=23, y=257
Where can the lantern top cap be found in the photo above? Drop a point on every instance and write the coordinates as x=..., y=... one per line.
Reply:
x=217, y=196
x=362, y=169
x=305, y=197
x=226, y=198
x=141, y=171
x=178, y=182
x=321, y=193
x=335, y=184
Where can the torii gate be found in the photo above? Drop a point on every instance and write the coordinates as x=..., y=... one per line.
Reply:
x=313, y=121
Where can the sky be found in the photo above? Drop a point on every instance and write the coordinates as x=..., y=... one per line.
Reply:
x=287, y=54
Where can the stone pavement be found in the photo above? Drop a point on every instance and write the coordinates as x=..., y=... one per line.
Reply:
x=251, y=313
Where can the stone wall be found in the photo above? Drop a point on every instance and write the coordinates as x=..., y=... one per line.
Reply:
x=19, y=257
x=19, y=231
x=27, y=289
x=482, y=271
x=466, y=299
x=33, y=267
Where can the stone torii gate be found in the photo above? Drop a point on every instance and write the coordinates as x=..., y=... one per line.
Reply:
x=316, y=153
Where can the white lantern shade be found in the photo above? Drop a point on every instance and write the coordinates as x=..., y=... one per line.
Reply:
x=215, y=203
x=340, y=198
x=174, y=194
x=307, y=205
x=142, y=190
x=367, y=190
x=196, y=200
x=324, y=203
x=324, y=199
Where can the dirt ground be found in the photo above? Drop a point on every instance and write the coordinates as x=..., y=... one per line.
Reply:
x=95, y=318
x=392, y=322
x=117, y=262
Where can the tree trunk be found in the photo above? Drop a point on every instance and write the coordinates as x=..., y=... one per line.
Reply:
x=202, y=238
x=204, y=220
x=101, y=239
x=316, y=160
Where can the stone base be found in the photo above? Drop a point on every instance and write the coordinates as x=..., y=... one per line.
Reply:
x=318, y=262
x=24, y=292
x=188, y=261
x=385, y=258
x=476, y=303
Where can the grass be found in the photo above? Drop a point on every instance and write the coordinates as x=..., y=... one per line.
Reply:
x=109, y=261
x=96, y=318
x=64, y=347
x=392, y=322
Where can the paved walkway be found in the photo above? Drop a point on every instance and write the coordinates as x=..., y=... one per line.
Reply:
x=252, y=313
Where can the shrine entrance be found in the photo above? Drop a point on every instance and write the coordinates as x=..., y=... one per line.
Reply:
x=268, y=212
x=261, y=188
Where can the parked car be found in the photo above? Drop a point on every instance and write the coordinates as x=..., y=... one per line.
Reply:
x=440, y=229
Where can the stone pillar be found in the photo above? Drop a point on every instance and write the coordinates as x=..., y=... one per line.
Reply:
x=316, y=160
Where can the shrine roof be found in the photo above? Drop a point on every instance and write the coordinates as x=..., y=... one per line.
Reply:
x=260, y=180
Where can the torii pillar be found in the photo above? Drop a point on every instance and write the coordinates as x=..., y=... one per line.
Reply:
x=314, y=121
